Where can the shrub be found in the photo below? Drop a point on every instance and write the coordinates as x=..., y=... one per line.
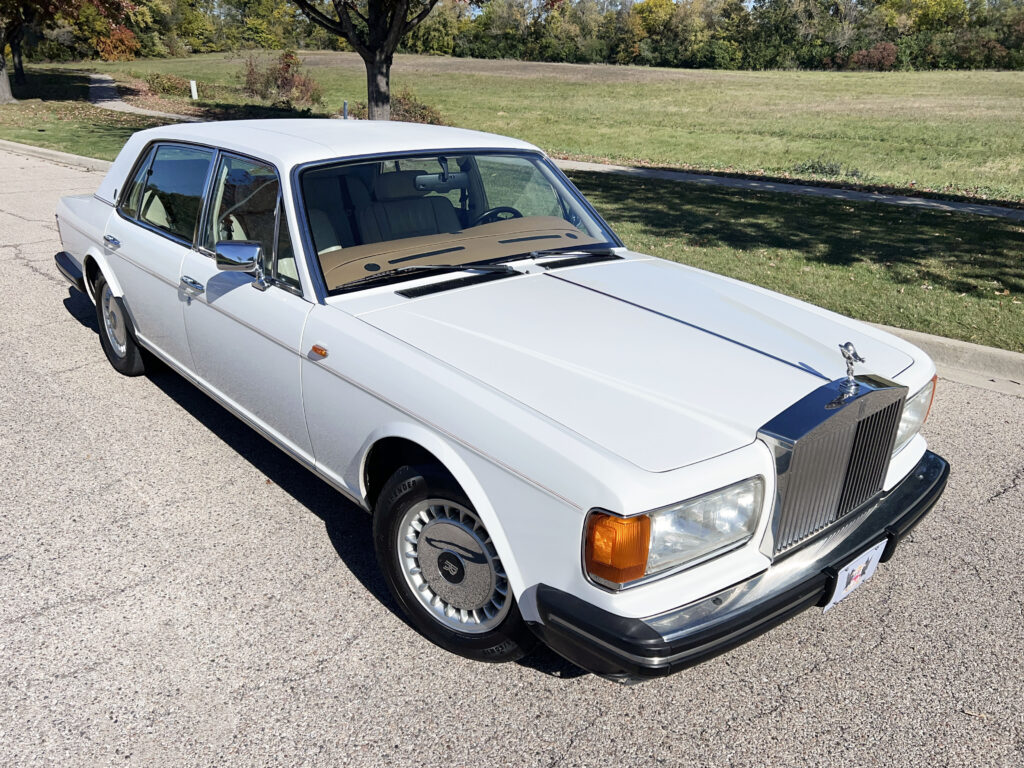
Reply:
x=825, y=167
x=881, y=58
x=406, y=108
x=120, y=44
x=169, y=85
x=282, y=83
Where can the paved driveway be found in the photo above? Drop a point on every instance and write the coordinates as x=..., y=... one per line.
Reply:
x=173, y=590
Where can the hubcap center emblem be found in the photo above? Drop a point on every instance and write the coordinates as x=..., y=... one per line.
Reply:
x=451, y=567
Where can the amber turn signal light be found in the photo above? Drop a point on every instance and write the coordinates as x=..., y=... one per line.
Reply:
x=616, y=547
x=935, y=385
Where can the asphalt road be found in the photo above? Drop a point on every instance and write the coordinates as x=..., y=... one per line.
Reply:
x=175, y=591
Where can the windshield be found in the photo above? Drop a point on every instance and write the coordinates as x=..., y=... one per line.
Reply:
x=379, y=216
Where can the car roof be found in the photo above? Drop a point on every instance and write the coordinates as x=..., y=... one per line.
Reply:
x=287, y=143
x=296, y=141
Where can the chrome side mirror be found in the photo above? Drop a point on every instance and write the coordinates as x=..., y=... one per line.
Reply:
x=238, y=255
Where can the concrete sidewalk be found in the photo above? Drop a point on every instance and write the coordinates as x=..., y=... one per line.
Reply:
x=103, y=93
x=948, y=206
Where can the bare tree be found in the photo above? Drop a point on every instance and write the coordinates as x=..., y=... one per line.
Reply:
x=373, y=28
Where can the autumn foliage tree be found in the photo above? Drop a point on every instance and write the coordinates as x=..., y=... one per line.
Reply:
x=16, y=15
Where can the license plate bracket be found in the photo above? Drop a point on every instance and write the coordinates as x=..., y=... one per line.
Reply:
x=856, y=572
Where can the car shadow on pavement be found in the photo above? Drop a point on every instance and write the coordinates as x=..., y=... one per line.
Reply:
x=348, y=527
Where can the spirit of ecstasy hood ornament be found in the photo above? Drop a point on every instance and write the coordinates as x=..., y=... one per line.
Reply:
x=849, y=385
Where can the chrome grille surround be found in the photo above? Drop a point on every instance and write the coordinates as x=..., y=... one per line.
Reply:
x=832, y=451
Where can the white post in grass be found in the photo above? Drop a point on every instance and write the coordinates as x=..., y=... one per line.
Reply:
x=195, y=93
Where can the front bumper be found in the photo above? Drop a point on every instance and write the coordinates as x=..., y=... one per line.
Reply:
x=625, y=648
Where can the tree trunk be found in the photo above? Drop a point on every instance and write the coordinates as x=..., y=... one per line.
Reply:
x=378, y=86
x=6, y=97
x=19, y=65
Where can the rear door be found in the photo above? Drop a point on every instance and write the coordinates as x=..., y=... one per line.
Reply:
x=245, y=334
x=147, y=239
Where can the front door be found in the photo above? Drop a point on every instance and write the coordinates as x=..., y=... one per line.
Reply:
x=245, y=334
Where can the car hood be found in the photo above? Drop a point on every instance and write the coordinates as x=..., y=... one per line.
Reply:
x=661, y=364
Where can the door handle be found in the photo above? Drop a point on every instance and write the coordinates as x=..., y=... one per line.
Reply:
x=192, y=285
x=112, y=241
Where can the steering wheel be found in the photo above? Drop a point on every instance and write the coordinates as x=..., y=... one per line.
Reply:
x=494, y=214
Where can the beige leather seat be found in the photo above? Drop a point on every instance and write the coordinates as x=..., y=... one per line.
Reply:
x=400, y=210
x=328, y=214
x=152, y=210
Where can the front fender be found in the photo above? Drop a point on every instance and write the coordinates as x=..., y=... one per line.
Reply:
x=456, y=459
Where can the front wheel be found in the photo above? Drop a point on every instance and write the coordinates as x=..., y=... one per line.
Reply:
x=116, y=336
x=442, y=568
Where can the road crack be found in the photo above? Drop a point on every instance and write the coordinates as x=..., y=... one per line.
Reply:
x=22, y=259
x=1013, y=485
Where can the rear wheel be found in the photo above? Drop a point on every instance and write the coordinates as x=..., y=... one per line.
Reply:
x=443, y=569
x=116, y=335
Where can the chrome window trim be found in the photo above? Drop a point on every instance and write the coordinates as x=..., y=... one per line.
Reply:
x=302, y=221
x=205, y=213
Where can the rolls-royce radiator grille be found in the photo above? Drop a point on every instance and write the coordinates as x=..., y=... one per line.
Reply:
x=832, y=453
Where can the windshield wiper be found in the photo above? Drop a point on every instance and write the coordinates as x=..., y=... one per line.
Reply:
x=571, y=249
x=597, y=251
x=404, y=271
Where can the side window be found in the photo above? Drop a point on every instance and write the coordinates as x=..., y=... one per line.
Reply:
x=173, y=192
x=245, y=206
x=133, y=192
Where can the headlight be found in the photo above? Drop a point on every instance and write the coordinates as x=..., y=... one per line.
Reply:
x=915, y=412
x=620, y=550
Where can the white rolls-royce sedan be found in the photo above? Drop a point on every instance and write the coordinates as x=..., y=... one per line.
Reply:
x=640, y=463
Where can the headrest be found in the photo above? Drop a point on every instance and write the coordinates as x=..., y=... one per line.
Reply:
x=397, y=185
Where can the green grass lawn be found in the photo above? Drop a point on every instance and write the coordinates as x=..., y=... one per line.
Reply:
x=954, y=275
x=955, y=132
x=951, y=275
x=53, y=113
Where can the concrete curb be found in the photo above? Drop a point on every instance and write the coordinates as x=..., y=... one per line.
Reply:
x=956, y=360
x=975, y=364
x=56, y=156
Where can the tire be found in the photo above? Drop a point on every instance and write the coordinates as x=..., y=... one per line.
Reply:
x=116, y=334
x=451, y=585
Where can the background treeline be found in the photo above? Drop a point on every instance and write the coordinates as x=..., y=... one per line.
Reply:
x=721, y=34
